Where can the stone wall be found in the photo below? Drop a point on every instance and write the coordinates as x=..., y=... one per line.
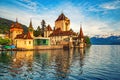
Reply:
x=49, y=47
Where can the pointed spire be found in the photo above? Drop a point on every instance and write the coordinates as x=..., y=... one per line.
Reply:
x=30, y=26
x=62, y=11
x=16, y=20
x=30, y=23
x=81, y=35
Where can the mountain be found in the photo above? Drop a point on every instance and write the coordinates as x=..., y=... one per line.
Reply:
x=5, y=25
x=110, y=40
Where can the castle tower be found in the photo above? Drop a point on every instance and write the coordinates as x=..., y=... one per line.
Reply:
x=63, y=23
x=81, y=37
x=30, y=29
x=15, y=29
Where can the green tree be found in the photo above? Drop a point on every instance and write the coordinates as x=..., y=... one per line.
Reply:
x=43, y=24
x=37, y=32
x=4, y=41
x=87, y=40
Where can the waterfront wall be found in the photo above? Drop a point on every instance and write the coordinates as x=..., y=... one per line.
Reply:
x=48, y=47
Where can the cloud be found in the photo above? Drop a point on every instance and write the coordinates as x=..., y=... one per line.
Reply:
x=27, y=4
x=111, y=5
x=104, y=7
x=96, y=27
x=74, y=13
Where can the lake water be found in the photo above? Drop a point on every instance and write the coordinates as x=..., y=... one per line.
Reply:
x=98, y=62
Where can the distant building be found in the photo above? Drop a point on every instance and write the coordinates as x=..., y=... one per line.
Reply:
x=19, y=39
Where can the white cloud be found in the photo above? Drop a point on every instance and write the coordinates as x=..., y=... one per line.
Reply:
x=95, y=27
x=111, y=5
x=75, y=14
x=27, y=4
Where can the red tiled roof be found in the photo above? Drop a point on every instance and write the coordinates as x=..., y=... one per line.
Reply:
x=23, y=36
x=81, y=35
x=49, y=28
x=20, y=36
x=61, y=17
x=58, y=32
x=16, y=25
x=28, y=36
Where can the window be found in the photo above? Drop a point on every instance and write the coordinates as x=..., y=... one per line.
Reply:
x=29, y=42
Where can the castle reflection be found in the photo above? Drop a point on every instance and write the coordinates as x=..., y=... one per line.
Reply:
x=61, y=60
x=22, y=61
x=59, y=63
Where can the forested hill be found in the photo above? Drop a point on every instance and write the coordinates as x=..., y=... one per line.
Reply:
x=5, y=25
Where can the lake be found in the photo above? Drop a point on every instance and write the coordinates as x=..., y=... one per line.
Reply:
x=98, y=62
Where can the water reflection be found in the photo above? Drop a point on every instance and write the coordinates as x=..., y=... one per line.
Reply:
x=22, y=61
x=44, y=64
x=96, y=62
x=82, y=54
x=60, y=61
x=5, y=57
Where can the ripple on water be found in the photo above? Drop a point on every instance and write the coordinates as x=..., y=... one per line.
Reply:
x=99, y=63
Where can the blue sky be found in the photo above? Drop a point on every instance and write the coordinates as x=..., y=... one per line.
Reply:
x=96, y=16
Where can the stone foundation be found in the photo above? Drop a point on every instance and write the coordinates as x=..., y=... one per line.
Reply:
x=48, y=47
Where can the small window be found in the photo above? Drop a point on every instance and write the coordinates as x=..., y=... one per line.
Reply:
x=29, y=42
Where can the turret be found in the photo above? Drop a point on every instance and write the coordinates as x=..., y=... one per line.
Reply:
x=15, y=29
x=30, y=29
x=81, y=37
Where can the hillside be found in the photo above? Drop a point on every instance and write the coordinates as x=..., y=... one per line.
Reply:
x=5, y=25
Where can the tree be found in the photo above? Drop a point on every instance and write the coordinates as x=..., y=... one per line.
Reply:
x=4, y=41
x=87, y=40
x=37, y=32
x=43, y=24
x=71, y=30
x=38, y=28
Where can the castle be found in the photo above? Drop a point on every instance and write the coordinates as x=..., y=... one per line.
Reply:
x=60, y=35
x=63, y=35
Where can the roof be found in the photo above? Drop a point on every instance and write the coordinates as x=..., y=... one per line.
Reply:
x=28, y=36
x=81, y=35
x=58, y=32
x=30, y=26
x=48, y=28
x=20, y=36
x=16, y=25
x=23, y=36
x=61, y=17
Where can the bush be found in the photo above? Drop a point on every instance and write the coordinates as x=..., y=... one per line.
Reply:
x=4, y=41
